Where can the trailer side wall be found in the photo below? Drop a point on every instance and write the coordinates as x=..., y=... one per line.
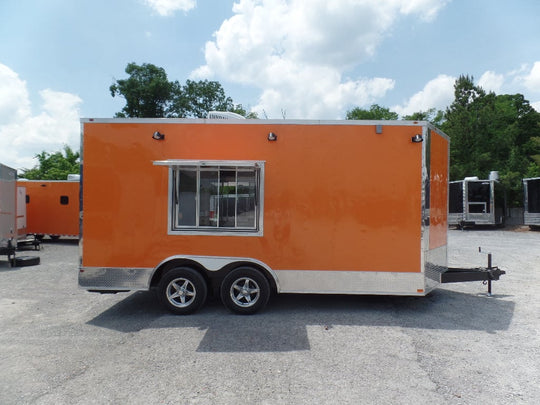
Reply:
x=339, y=200
x=52, y=207
x=8, y=205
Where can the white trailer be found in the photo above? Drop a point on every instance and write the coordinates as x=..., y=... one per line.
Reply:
x=10, y=221
x=8, y=211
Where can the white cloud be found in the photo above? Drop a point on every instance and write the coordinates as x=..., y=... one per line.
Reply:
x=437, y=93
x=14, y=103
x=22, y=134
x=167, y=8
x=298, y=51
x=527, y=80
x=532, y=79
x=490, y=81
x=427, y=9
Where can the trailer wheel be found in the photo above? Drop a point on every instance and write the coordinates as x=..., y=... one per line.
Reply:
x=245, y=291
x=182, y=290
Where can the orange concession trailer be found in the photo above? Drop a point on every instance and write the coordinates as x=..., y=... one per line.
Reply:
x=52, y=207
x=246, y=208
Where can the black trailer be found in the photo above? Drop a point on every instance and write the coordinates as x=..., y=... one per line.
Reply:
x=531, y=203
x=476, y=202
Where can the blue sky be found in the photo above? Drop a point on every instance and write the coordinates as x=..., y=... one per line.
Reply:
x=294, y=58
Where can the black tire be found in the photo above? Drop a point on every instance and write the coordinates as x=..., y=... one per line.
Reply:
x=22, y=261
x=182, y=290
x=245, y=291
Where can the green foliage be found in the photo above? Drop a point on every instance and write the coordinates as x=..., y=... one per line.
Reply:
x=196, y=99
x=239, y=109
x=54, y=166
x=375, y=112
x=436, y=117
x=149, y=94
x=147, y=91
x=492, y=132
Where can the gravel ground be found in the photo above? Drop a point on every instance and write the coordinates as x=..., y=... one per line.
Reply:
x=62, y=345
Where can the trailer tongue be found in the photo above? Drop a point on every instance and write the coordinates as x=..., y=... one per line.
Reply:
x=485, y=274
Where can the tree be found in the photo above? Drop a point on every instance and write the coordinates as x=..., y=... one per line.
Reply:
x=436, y=117
x=492, y=132
x=147, y=91
x=149, y=94
x=466, y=125
x=239, y=109
x=196, y=99
x=375, y=112
x=54, y=166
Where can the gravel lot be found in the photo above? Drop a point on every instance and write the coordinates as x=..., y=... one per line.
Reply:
x=59, y=344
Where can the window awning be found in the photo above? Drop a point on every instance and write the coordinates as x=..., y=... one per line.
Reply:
x=213, y=163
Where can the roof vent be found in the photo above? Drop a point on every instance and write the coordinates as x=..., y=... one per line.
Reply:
x=223, y=115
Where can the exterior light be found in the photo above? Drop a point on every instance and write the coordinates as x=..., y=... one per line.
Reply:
x=417, y=138
x=158, y=136
x=272, y=136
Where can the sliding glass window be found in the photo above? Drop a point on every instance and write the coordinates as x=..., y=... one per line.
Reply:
x=217, y=198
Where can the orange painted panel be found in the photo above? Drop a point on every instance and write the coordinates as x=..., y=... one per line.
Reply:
x=336, y=197
x=52, y=207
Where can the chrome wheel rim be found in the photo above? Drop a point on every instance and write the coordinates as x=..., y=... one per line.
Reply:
x=245, y=292
x=181, y=292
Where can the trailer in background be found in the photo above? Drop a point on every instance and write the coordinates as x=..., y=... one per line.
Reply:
x=245, y=208
x=476, y=202
x=21, y=212
x=9, y=219
x=24, y=239
x=52, y=207
x=8, y=211
x=531, y=203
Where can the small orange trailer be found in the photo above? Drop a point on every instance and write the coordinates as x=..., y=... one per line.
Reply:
x=246, y=208
x=52, y=207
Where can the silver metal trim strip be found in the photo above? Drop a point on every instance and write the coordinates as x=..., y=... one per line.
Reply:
x=115, y=278
x=287, y=281
x=255, y=122
x=351, y=282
